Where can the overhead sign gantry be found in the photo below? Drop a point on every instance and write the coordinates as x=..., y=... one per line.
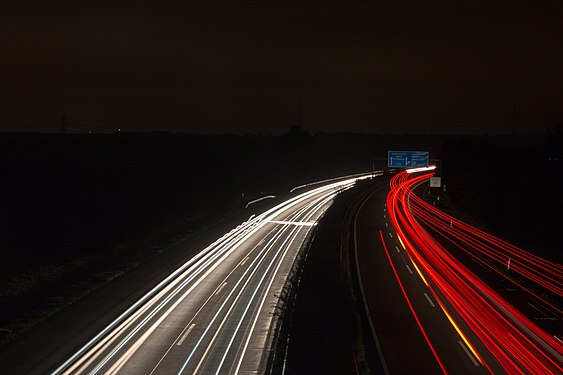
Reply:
x=407, y=159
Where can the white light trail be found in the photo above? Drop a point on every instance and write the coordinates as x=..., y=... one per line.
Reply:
x=122, y=338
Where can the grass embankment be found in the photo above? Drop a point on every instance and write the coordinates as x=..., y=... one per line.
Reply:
x=30, y=294
x=321, y=321
x=78, y=209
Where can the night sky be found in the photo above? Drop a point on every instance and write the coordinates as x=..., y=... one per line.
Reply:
x=450, y=67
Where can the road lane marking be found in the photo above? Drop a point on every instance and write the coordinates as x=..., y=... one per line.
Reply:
x=399, y=251
x=211, y=296
x=206, y=260
x=190, y=271
x=256, y=263
x=387, y=225
x=220, y=288
x=390, y=235
x=360, y=282
x=352, y=176
x=129, y=353
x=429, y=300
x=101, y=344
x=185, y=334
x=267, y=292
x=408, y=268
x=263, y=261
x=538, y=310
x=244, y=261
x=468, y=353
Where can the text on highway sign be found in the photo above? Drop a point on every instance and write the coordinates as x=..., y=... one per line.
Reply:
x=407, y=159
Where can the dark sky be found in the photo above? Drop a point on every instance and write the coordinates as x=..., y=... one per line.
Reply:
x=237, y=66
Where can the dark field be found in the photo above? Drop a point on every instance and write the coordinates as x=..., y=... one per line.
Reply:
x=77, y=210
x=510, y=188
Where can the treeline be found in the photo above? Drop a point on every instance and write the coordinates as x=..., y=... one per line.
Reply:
x=511, y=186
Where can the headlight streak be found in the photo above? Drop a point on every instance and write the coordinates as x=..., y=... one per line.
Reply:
x=168, y=298
x=265, y=248
x=352, y=176
x=420, y=169
x=319, y=206
x=203, y=305
x=131, y=351
x=313, y=208
x=254, y=267
x=133, y=322
x=108, y=340
x=103, y=337
x=517, y=343
x=200, y=261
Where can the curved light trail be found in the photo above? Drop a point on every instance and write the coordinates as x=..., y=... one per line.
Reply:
x=515, y=342
x=214, y=314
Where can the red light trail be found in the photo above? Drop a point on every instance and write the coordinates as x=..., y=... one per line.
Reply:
x=513, y=339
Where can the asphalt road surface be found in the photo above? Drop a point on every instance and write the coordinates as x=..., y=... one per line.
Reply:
x=213, y=314
x=427, y=313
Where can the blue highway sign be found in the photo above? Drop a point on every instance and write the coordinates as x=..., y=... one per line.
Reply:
x=407, y=159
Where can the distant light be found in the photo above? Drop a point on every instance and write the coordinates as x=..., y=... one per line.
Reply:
x=421, y=169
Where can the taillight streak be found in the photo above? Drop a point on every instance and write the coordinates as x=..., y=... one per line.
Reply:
x=515, y=341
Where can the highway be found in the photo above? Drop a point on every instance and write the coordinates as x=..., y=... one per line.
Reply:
x=215, y=313
x=428, y=311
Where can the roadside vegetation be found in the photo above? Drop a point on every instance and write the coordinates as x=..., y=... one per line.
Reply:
x=510, y=187
x=78, y=210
